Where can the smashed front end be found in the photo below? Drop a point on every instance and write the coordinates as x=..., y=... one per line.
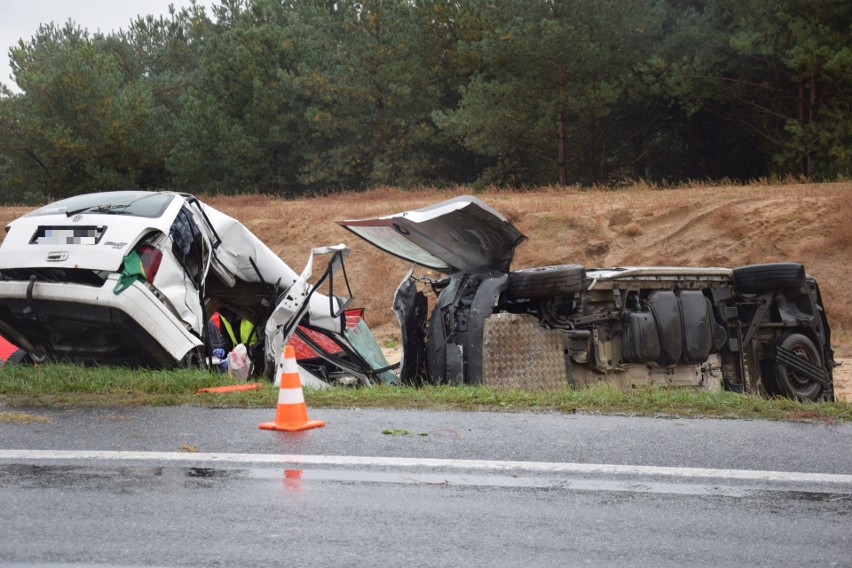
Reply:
x=473, y=245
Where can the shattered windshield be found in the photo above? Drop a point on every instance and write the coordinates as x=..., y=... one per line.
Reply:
x=136, y=203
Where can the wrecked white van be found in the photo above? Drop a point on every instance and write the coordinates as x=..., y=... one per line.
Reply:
x=759, y=328
x=132, y=277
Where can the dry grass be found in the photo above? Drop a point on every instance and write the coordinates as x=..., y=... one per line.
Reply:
x=633, y=230
x=838, y=213
x=698, y=224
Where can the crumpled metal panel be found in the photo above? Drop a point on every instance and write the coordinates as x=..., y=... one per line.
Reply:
x=518, y=352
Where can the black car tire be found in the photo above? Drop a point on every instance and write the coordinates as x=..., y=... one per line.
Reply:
x=19, y=357
x=763, y=277
x=546, y=281
x=193, y=359
x=789, y=381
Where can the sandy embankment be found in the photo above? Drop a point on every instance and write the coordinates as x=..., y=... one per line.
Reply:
x=843, y=380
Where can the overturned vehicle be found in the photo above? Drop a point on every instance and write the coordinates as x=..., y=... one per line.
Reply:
x=133, y=277
x=759, y=329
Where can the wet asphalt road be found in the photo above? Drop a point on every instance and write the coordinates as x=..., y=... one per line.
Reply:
x=229, y=502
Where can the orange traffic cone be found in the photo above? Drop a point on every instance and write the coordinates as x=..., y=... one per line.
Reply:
x=291, y=414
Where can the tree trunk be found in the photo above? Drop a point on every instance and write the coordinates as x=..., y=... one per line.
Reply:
x=560, y=150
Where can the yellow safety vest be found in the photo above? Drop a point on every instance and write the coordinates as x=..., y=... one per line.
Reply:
x=246, y=329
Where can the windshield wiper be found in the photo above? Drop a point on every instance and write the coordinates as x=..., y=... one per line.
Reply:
x=108, y=209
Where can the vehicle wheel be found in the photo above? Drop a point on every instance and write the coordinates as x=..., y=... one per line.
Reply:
x=19, y=357
x=790, y=382
x=546, y=281
x=194, y=359
x=761, y=277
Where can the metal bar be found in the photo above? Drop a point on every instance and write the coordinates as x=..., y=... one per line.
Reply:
x=803, y=367
x=759, y=315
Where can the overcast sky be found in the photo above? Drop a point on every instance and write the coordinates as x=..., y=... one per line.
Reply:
x=19, y=19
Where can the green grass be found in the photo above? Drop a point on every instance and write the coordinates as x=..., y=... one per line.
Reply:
x=70, y=385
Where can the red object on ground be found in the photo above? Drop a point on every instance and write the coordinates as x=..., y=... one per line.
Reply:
x=303, y=351
x=232, y=388
x=6, y=349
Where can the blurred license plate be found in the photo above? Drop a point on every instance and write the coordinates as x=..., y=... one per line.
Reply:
x=49, y=235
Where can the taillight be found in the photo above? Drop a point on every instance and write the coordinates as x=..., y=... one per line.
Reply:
x=151, y=258
x=353, y=316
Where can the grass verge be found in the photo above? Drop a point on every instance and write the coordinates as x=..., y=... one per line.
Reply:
x=58, y=386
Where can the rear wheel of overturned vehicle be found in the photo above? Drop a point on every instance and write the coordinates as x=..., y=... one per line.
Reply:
x=546, y=281
x=790, y=382
x=764, y=277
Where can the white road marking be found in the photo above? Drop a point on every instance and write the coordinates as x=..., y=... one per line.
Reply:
x=433, y=463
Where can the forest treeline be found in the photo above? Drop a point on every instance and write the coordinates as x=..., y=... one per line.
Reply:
x=293, y=97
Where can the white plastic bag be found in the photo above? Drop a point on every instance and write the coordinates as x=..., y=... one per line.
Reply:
x=239, y=366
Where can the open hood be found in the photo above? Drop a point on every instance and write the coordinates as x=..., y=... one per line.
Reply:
x=461, y=234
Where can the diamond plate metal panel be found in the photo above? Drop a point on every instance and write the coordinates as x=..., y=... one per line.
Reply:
x=518, y=352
